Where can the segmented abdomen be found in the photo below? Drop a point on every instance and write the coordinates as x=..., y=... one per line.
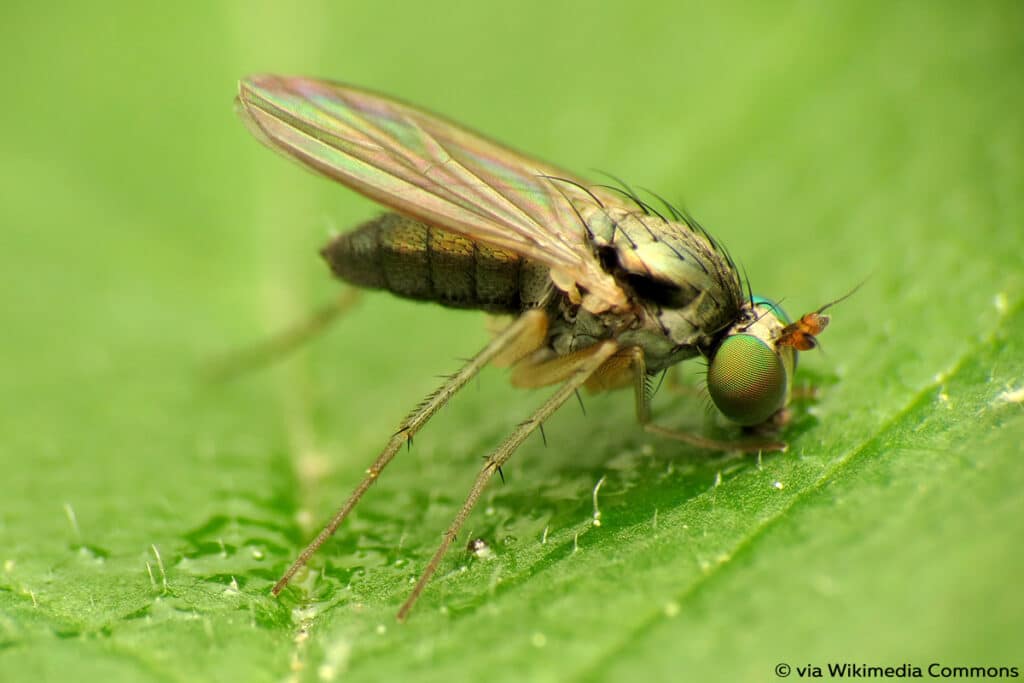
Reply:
x=416, y=261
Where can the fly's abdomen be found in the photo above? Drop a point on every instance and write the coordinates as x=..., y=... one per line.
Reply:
x=416, y=261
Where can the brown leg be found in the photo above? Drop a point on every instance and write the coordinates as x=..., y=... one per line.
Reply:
x=524, y=324
x=675, y=384
x=282, y=343
x=585, y=367
x=643, y=416
x=804, y=392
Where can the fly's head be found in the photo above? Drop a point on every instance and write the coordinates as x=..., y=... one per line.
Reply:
x=750, y=371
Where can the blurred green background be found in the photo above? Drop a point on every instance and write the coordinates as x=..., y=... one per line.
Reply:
x=145, y=514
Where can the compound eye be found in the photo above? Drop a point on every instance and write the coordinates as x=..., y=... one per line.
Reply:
x=747, y=380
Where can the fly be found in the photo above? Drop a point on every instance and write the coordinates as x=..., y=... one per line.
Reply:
x=606, y=292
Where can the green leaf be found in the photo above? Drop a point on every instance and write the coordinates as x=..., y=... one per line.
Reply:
x=146, y=513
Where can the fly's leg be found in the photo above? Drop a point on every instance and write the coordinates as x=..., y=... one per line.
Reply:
x=643, y=416
x=282, y=343
x=586, y=367
x=675, y=384
x=805, y=392
x=529, y=328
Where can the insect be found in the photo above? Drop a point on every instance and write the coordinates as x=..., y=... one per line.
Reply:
x=606, y=291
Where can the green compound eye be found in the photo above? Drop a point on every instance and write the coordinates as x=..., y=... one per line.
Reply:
x=747, y=380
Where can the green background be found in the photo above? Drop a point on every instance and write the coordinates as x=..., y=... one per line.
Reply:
x=143, y=232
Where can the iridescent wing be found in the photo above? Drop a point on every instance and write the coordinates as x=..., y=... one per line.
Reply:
x=432, y=170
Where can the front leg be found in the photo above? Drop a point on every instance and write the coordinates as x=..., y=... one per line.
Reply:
x=643, y=416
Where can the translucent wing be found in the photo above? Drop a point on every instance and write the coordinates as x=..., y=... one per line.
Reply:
x=432, y=170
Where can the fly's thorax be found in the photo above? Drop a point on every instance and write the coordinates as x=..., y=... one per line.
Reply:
x=682, y=287
x=749, y=373
x=572, y=328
